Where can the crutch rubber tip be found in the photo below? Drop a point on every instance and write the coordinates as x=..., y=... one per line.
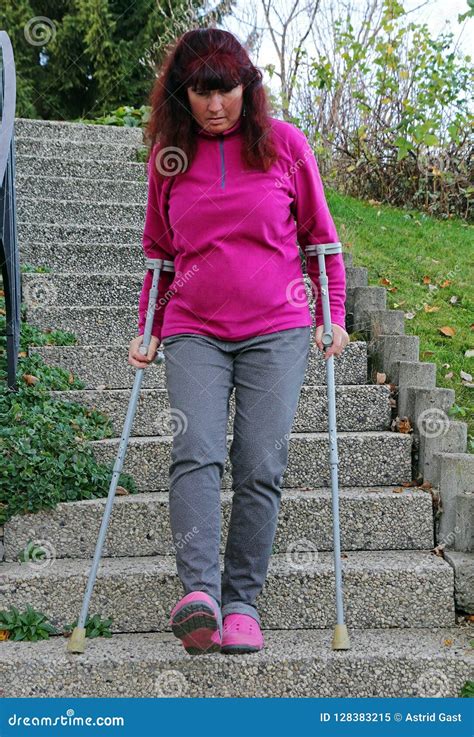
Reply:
x=77, y=641
x=340, y=640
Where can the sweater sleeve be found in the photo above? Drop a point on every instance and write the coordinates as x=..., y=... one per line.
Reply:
x=156, y=242
x=314, y=226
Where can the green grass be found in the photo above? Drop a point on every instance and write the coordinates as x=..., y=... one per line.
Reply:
x=404, y=246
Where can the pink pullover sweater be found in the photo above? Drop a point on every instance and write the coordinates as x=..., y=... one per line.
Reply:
x=233, y=233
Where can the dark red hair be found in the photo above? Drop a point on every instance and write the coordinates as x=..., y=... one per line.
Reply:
x=208, y=59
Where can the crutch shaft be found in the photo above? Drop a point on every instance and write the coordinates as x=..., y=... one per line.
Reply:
x=340, y=639
x=76, y=642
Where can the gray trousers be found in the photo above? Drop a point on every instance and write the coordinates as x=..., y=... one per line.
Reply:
x=267, y=372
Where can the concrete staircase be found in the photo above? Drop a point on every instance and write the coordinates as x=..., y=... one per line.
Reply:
x=81, y=195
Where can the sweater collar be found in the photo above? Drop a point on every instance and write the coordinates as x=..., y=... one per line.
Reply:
x=207, y=134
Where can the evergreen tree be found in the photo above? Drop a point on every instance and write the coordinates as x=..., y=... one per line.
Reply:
x=84, y=58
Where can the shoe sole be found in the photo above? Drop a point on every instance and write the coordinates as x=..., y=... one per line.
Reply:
x=239, y=649
x=194, y=624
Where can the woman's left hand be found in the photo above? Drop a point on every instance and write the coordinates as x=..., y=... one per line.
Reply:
x=339, y=340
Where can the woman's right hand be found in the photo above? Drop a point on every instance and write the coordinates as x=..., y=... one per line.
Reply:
x=135, y=358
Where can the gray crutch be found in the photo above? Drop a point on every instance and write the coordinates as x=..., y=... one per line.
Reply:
x=76, y=643
x=340, y=639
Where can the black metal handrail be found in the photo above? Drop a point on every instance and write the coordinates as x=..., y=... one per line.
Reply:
x=9, y=252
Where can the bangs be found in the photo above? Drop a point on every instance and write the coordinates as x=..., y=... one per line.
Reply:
x=214, y=74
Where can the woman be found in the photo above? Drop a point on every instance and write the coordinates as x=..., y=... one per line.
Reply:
x=231, y=191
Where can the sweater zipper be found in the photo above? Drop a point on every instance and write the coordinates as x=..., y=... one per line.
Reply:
x=221, y=146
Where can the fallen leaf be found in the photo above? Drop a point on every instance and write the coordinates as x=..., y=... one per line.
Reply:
x=432, y=287
x=22, y=354
x=427, y=308
x=4, y=634
x=121, y=491
x=469, y=353
x=426, y=485
x=448, y=643
x=467, y=383
x=448, y=331
x=453, y=299
x=409, y=315
x=464, y=375
x=398, y=490
x=2, y=312
x=404, y=426
x=71, y=378
x=427, y=353
x=30, y=379
x=409, y=483
x=449, y=375
x=446, y=365
x=392, y=289
x=426, y=279
x=2, y=293
x=385, y=281
x=439, y=550
x=445, y=283
x=472, y=325
x=380, y=378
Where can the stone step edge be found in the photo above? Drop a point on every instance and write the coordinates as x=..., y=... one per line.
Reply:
x=294, y=436
x=421, y=562
x=65, y=393
x=422, y=663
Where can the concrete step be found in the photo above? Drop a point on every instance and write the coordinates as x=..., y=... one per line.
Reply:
x=108, y=366
x=413, y=662
x=64, y=188
x=358, y=408
x=77, y=150
x=50, y=233
x=45, y=210
x=77, y=257
x=92, y=325
x=371, y=518
x=381, y=589
x=59, y=130
x=121, y=171
x=365, y=459
x=92, y=286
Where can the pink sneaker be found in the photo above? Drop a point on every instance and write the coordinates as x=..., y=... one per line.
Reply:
x=197, y=621
x=242, y=634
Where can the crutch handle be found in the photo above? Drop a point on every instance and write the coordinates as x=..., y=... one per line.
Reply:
x=154, y=264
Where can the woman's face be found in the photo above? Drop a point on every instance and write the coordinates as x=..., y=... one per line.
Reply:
x=226, y=107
